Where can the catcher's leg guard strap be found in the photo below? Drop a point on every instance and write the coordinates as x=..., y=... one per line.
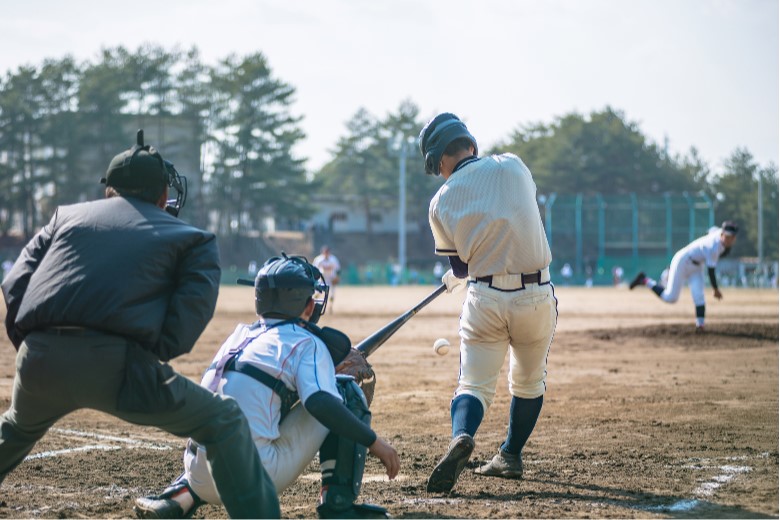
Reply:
x=342, y=460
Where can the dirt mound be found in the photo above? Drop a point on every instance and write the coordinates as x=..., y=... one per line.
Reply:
x=725, y=335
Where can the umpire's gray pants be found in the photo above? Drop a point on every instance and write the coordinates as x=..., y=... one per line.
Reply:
x=56, y=375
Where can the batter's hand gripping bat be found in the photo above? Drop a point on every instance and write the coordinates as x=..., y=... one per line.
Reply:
x=375, y=340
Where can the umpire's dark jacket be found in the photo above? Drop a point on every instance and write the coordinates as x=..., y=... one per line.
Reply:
x=118, y=265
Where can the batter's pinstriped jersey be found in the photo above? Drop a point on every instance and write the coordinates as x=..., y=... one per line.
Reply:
x=486, y=213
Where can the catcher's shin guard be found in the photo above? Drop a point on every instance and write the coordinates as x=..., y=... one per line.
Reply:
x=342, y=461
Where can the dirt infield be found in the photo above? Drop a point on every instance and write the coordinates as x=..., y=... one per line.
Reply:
x=643, y=418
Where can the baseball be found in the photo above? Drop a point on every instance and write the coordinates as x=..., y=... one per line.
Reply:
x=441, y=346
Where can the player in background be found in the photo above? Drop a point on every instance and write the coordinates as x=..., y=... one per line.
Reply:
x=330, y=268
x=688, y=267
x=265, y=366
x=486, y=220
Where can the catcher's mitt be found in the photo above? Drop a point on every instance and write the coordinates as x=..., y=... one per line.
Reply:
x=356, y=365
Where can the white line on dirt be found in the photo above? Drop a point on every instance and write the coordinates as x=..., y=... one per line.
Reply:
x=133, y=443
x=434, y=501
x=113, y=438
x=55, y=453
x=369, y=477
x=726, y=474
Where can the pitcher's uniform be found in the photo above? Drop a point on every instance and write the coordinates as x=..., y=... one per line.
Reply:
x=688, y=266
x=486, y=213
x=301, y=361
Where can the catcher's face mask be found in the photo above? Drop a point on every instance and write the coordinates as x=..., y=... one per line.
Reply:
x=284, y=286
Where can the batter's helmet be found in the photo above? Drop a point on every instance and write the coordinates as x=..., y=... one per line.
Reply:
x=437, y=134
x=142, y=170
x=284, y=285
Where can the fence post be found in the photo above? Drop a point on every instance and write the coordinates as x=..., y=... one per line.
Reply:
x=602, y=230
x=668, y=202
x=578, y=231
x=635, y=228
x=691, y=217
x=548, y=217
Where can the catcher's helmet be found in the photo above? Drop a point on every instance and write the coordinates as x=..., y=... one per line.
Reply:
x=284, y=285
x=141, y=169
x=437, y=134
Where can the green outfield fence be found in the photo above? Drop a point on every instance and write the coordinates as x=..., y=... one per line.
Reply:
x=596, y=234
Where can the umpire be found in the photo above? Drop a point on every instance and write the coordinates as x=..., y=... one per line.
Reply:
x=99, y=300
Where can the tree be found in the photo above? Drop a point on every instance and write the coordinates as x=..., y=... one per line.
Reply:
x=59, y=81
x=738, y=190
x=602, y=153
x=420, y=187
x=255, y=175
x=360, y=167
x=102, y=98
x=194, y=104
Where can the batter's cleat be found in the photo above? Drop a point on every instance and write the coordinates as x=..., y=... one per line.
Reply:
x=449, y=468
x=354, y=511
x=639, y=280
x=504, y=465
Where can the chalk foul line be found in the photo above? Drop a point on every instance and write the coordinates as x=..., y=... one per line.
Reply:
x=103, y=446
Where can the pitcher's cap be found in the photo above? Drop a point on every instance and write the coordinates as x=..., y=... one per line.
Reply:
x=729, y=227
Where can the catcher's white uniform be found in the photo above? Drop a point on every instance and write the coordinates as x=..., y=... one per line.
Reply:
x=688, y=266
x=302, y=361
x=486, y=214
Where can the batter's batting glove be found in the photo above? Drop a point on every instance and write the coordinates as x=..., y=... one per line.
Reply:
x=452, y=282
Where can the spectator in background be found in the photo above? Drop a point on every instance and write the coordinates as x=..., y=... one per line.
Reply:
x=617, y=275
x=438, y=271
x=567, y=272
x=7, y=265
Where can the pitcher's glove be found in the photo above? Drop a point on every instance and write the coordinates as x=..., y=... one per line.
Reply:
x=356, y=365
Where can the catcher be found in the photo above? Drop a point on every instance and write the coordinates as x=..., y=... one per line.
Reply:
x=280, y=370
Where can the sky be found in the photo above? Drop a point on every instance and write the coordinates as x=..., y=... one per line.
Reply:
x=692, y=73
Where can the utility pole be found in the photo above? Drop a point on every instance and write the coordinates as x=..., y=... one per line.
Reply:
x=760, y=223
x=401, y=146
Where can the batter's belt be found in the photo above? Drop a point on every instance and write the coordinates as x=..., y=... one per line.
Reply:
x=514, y=282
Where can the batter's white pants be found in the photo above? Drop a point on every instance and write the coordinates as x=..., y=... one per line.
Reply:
x=300, y=438
x=493, y=321
x=683, y=270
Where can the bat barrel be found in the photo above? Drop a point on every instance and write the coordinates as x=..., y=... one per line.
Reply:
x=375, y=340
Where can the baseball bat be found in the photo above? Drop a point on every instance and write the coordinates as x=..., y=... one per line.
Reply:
x=375, y=340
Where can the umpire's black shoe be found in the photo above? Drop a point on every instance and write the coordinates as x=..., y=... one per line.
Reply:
x=353, y=511
x=447, y=471
x=639, y=280
x=157, y=507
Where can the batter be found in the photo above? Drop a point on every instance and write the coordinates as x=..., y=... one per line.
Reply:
x=485, y=219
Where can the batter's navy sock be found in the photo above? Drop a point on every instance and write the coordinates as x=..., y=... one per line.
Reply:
x=466, y=412
x=523, y=414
